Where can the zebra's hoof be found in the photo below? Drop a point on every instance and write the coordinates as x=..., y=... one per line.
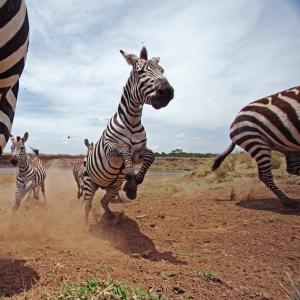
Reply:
x=291, y=203
x=130, y=190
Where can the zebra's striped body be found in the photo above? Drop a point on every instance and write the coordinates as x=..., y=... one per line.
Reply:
x=31, y=172
x=123, y=142
x=271, y=123
x=14, y=37
x=78, y=169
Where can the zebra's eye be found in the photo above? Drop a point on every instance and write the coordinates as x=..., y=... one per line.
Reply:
x=139, y=72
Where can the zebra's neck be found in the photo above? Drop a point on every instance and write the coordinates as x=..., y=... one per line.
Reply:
x=23, y=165
x=130, y=107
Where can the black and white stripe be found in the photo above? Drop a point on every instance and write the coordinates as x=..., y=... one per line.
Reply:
x=14, y=37
x=79, y=167
x=271, y=123
x=123, y=142
x=31, y=172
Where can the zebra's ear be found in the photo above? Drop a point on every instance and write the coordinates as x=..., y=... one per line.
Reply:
x=130, y=58
x=25, y=137
x=144, y=53
x=86, y=142
x=13, y=140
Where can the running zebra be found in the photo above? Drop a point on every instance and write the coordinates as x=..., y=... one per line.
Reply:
x=14, y=37
x=78, y=169
x=271, y=123
x=31, y=172
x=123, y=142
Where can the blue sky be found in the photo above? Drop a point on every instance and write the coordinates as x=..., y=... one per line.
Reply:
x=218, y=55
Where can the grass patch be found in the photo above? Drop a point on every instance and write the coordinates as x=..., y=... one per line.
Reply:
x=171, y=274
x=100, y=290
x=209, y=276
x=293, y=292
x=105, y=267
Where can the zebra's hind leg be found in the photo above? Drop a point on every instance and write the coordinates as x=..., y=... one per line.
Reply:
x=89, y=190
x=36, y=192
x=43, y=190
x=262, y=156
x=111, y=193
x=292, y=163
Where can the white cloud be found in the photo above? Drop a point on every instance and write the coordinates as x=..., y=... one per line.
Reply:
x=217, y=55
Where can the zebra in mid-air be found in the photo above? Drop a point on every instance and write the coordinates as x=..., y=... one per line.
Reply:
x=78, y=169
x=123, y=142
x=271, y=123
x=31, y=171
x=14, y=38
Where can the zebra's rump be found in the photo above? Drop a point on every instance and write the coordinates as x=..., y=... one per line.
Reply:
x=38, y=168
x=274, y=120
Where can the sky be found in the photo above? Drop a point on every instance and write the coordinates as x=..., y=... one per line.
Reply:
x=218, y=56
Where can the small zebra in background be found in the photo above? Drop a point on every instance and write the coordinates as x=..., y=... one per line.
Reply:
x=14, y=39
x=31, y=172
x=271, y=123
x=123, y=142
x=78, y=169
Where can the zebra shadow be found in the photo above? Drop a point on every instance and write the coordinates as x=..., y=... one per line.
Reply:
x=269, y=204
x=15, y=277
x=124, y=235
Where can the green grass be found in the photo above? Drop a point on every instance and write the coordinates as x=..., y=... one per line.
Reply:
x=93, y=289
x=209, y=276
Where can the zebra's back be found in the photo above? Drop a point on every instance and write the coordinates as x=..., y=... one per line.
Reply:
x=274, y=120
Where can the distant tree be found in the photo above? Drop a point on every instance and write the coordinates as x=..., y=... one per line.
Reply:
x=176, y=151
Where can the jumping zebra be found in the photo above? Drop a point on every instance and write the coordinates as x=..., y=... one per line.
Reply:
x=78, y=169
x=31, y=172
x=123, y=142
x=14, y=38
x=271, y=123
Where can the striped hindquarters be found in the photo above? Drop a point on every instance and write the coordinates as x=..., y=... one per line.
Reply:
x=14, y=37
x=103, y=170
x=38, y=169
x=269, y=123
x=77, y=170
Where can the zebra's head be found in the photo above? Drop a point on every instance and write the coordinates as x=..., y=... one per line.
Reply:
x=149, y=85
x=18, y=151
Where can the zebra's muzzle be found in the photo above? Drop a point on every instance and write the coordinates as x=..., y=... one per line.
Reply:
x=163, y=95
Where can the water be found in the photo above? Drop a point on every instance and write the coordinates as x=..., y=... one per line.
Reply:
x=7, y=171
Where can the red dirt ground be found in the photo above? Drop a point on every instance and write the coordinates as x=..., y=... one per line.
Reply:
x=176, y=229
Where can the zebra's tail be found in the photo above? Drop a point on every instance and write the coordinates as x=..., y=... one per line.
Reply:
x=35, y=151
x=218, y=161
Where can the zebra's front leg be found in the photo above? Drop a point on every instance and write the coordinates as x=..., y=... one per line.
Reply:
x=111, y=193
x=148, y=158
x=20, y=194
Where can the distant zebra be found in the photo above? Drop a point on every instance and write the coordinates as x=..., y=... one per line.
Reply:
x=78, y=169
x=31, y=172
x=271, y=123
x=123, y=142
x=14, y=37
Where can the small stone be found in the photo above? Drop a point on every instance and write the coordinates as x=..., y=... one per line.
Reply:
x=178, y=290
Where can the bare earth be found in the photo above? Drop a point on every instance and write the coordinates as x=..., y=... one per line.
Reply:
x=179, y=229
